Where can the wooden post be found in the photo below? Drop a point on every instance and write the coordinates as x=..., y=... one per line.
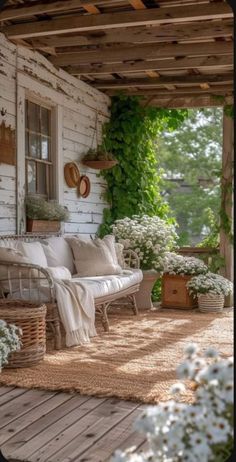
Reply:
x=226, y=246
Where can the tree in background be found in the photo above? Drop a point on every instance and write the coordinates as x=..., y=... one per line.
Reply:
x=190, y=160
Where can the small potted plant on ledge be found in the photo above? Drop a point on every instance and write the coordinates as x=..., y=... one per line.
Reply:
x=44, y=216
x=210, y=290
x=150, y=238
x=99, y=159
x=178, y=270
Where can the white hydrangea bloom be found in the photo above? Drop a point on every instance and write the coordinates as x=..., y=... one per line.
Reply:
x=9, y=341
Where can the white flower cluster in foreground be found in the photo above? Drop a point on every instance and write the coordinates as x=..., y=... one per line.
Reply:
x=149, y=237
x=198, y=432
x=9, y=341
x=177, y=264
x=210, y=283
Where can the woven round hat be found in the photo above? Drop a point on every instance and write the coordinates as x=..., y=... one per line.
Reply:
x=72, y=175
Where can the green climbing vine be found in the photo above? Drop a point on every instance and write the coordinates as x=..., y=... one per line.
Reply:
x=134, y=185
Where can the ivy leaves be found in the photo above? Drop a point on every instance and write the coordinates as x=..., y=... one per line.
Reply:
x=134, y=184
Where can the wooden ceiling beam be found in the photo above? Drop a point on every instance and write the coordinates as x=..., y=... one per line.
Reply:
x=29, y=10
x=147, y=51
x=92, y=9
x=166, y=80
x=137, y=4
x=202, y=62
x=80, y=23
x=187, y=102
x=163, y=33
x=214, y=90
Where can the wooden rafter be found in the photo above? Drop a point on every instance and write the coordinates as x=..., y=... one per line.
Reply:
x=146, y=52
x=137, y=4
x=202, y=62
x=202, y=80
x=29, y=10
x=214, y=90
x=80, y=23
x=163, y=33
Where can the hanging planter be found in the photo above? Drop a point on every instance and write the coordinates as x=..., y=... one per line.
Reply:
x=98, y=158
x=100, y=164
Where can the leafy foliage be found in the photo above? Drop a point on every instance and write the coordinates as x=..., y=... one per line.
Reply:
x=134, y=184
x=98, y=154
x=192, y=156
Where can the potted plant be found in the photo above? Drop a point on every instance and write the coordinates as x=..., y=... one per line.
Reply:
x=44, y=216
x=9, y=341
x=150, y=238
x=99, y=158
x=178, y=270
x=210, y=290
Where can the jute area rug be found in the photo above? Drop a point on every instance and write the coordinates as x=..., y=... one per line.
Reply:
x=137, y=360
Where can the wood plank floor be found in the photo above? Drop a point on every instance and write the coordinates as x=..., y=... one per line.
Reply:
x=43, y=426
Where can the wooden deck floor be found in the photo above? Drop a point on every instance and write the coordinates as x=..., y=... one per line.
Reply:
x=40, y=426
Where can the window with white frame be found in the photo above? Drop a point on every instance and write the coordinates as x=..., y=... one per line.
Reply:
x=38, y=150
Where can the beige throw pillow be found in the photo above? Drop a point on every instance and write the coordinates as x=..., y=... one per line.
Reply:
x=93, y=258
x=12, y=255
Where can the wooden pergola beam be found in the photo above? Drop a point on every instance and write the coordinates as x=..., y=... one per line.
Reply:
x=147, y=51
x=80, y=23
x=165, y=80
x=213, y=62
x=214, y=90
x=163, y=33
x=29, y=10
x=179, y=102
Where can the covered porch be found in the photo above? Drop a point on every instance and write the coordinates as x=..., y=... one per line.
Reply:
x=66, y=59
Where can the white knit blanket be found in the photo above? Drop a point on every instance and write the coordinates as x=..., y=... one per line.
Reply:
x=77, y=311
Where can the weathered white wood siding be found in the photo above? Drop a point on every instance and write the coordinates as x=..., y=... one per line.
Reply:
x=76, y=105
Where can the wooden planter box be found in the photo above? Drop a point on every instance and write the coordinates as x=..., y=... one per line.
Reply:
x=174, y=293
x=42, y=226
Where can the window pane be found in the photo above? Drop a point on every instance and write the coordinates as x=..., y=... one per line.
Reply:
x=45, y=121
x=31, y=177
x=33, y=118
x=34, y=145
x=42, y=179
x=26, y=143
x=45, y=148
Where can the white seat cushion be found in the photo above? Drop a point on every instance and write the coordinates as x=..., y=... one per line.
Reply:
x=101, y=286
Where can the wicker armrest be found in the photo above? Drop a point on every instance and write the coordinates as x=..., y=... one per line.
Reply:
x=24, y=276
x=131, y=259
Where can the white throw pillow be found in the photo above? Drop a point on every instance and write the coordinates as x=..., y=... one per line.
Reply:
x=63, y=252
x=51, y=256
x=93, y=258
x=34, y=252
x=59, y=272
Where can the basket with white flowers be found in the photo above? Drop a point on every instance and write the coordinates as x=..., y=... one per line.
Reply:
x=210, y=290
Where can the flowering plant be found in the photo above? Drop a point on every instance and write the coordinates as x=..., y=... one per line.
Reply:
x=209, y=283
x=197, y=432
x=177, y=264
x=149, y=237
x=9, y=341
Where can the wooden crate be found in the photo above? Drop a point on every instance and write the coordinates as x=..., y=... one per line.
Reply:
x=174, y=293
x=44, y=226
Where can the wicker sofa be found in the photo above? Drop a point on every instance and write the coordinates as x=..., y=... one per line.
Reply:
x=25, y=281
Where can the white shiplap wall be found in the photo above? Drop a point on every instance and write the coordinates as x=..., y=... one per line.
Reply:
x=25, y=72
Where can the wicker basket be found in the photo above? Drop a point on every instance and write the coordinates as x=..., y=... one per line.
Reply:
x=210, y=303
x=30, y=317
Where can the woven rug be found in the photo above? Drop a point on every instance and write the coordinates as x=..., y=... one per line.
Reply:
x=136, y=360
